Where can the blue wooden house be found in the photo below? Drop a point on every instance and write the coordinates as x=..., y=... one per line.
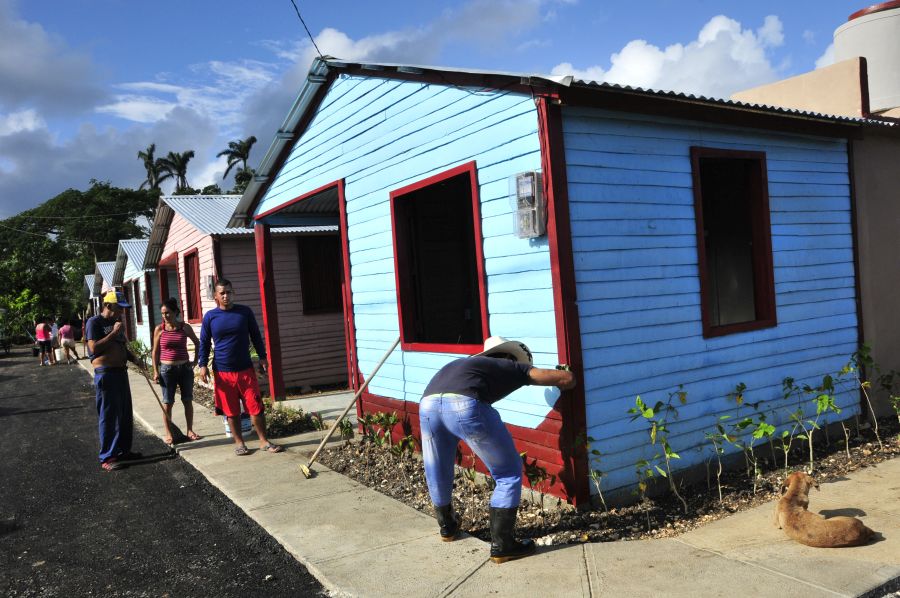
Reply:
x=657, y=242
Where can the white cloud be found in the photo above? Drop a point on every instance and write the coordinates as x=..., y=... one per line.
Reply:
x=141, y=109
x=24, y=120
x=809, y=36
x=38, y=70
x=723, y=59
x=827, y=58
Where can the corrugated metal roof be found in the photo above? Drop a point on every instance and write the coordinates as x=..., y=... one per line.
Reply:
x=323, y=68
x=210, y=214
x=734, y=103
x=89, y=284
x=135, y=250
x=103, y=274
x=129, y=259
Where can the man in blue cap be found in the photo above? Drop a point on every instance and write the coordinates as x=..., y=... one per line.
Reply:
x=108, y=352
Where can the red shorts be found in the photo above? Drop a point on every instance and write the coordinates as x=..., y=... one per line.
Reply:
x=233, y=387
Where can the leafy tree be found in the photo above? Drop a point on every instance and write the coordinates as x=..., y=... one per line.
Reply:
x=242, y=178
x=238, y=152
x=175, y=164
x=211, y=190
x=49, y=249
x=156, y=172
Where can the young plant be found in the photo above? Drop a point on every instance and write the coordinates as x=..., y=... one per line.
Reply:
x=596, y=473
x=718, y=438
x=345, y=428
x=859, y=362
x=537, y=477
x=824, y=400
x=656, y=418
x=643, y=469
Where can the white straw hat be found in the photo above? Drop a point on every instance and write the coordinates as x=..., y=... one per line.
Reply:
x=498, y=344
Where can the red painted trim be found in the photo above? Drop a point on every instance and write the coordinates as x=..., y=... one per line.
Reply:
x=443, y=348
x=162, y=276
x=405, y=316
x=347, y=292
x=874, y=8
x=266, y=273
x=194, y=256
x=169, y=260
x=763, y=270
x=151, y=317
x=297, y=199
x=572, y=403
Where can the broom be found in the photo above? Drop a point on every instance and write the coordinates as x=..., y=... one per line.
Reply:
x=306, y=470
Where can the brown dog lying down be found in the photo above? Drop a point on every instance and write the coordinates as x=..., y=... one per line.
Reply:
x=810, y=528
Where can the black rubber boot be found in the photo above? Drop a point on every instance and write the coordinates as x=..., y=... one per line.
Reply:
x=504, y=546
x=448, y=521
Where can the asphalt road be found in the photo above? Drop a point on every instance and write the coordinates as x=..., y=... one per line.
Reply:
x=68, y=528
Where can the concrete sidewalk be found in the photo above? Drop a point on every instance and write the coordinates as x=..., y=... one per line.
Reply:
x=358, y=542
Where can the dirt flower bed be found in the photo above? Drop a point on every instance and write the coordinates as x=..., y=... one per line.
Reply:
x=280, y=422
x=399, y=474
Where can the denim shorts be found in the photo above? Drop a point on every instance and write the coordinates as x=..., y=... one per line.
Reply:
x=173, y=376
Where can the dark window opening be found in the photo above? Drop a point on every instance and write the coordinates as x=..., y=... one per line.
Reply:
x=138, y=302
x=437, y=263
x=192, y=287
x=320, y=274
x=734, y=244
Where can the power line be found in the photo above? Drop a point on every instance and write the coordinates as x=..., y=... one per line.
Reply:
x=44, y=236
x=94, y=217
x=307, y=29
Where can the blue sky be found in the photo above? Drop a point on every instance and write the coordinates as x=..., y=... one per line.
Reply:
x=88, y=83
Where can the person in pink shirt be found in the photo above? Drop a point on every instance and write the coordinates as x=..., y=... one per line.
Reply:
x=43, y=338
x=172, y=366
x=67, y=341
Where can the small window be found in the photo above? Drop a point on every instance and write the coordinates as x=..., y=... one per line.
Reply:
x=734, y=244
x=439, y=263
x=138, y=300
x=320, y=274
x=192, y=286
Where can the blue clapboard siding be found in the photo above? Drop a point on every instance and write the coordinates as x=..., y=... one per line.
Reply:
x=380, y=135
x=634, y=241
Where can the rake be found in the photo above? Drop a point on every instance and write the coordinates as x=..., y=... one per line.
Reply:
x=306, y=469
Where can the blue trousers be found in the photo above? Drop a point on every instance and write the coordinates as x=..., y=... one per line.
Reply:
x=116, y=420
x=446, y=419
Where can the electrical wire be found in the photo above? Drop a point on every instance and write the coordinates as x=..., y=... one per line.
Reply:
x=307, y=29
x=94, y=217
x=44, y=236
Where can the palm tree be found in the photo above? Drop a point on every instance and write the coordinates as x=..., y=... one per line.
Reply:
x=175, y=165
x=237, y=152
x=156, y=172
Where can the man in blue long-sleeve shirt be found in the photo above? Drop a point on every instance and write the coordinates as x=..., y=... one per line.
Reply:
x=231, y=327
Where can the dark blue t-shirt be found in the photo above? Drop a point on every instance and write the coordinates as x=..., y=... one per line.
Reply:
x=487, y=379
x=231, y=330
x=98, y=327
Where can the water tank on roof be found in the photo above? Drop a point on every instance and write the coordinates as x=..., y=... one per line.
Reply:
x=874, y=33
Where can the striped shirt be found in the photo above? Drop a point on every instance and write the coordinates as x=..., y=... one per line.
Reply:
x=173, y=344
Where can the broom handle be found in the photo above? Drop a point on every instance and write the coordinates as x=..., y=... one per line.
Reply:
x=353, y=402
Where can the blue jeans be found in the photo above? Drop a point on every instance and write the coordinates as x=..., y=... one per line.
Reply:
x=116, y=421
x=174, y=376
x=446, y=419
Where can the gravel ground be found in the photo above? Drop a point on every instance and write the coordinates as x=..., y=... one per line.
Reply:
x=67, y=528
x=402, y=477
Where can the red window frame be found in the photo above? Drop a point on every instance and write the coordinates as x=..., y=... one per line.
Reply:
x=404, y=291
x=193, y=309
x=763, y=269
x=151, y=317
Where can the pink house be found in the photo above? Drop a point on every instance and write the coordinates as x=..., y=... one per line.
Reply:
x=191, y=247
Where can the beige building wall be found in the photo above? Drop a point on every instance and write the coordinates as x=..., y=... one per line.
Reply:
x=838, y=89
x=876, y=177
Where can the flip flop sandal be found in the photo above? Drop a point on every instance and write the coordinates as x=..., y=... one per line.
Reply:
x=272, y=448
x=241, y=451
x=111, y=465
x=193, y=436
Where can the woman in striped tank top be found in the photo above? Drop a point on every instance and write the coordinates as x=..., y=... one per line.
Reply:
x=172, y=368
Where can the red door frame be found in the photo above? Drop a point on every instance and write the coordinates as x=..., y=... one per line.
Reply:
x=265, y=271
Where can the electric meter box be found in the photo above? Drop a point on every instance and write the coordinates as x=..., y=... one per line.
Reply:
x=529, y=208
